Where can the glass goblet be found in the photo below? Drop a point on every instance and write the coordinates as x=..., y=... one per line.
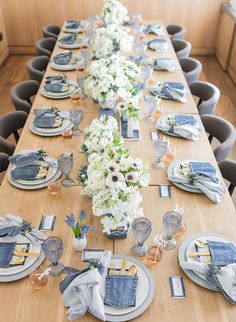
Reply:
x=85, y=56
x=172, y=221
x=141, y=228
x=76, y=117
x=137, y=30
x=151, y=103
x=146, y=72
x=160, y=147
x=65, y=164
x=140, y=47
x=53, y=249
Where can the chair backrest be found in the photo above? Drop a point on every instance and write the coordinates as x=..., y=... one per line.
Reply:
x=44, y=47
x=228, y=171
x=4, y=162
x=6, y=147
x=36, y=67
x=191, y=68
x=223, y=131
x=51, y=31
x=176, y=31
x=11, y=122
x=208, y=95
x=182, y=48
x=21, y=94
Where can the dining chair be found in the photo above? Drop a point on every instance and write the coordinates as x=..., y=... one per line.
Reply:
x=176, y=31
x=182, y=48
x=191, y=68
x=22, y=93
x=51, y=31
x=10, y=123
x=36, y=67
x=44, y=47
x=223, y=131
x=208, y=95
x=228, y=171
x=4, y=162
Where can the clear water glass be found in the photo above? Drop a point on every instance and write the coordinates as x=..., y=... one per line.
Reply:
x=140, y=47
x=76, y=117
x=137, y=30
x=141, y=228
x=151, y=103
x=53, y=249
x=65, y=164
x=85, y=56
x=160, y=147
x=172, y=222
x=146, y=72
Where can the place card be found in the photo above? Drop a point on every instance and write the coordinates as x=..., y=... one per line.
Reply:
x=92, y=254
x=47, y=222
x=164, y=191
x=177, y=287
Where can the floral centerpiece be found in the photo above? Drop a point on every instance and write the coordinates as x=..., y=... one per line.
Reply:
x=80, y=229
x=110, y=40
x=129, y=109
x=114, y=11
x=111, y=79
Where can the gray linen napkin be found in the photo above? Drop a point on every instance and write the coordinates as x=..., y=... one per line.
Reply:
x=163, y=64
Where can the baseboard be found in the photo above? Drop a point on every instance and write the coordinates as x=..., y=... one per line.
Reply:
x=202, y=51
x=3, y=55
x=22, y=50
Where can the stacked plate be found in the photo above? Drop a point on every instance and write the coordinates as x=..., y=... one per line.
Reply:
x=77, y=62
x=17, y=272
x=177, y=168
x=54, y=131
x=144, y=293
x=53, y=174
x=74, y=26
x=79, y=42
x=188, y=246
x=59, y=95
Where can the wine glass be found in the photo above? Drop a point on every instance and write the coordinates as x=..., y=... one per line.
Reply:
x=141, y=228
x=53, y=249
x=172, y=221
x=76, y=117
x=140, y=47
x=65, y=164
x=137, y=30
x=160, y=147
x=85, y=56
x=146, y=72
x=151, y=103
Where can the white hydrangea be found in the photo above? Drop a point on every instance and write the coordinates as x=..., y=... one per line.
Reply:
x=114, y=11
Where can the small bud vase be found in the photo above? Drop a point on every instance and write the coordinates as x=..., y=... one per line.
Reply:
x=79, y=244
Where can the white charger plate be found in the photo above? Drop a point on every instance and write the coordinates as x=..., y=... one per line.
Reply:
x=33, y=248
x=57, y=95
x=79, y=44
x=68, y=67
x=142, y=300
x=50, y=131
x=182, y=256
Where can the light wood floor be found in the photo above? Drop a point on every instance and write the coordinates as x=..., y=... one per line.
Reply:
x=14, y=71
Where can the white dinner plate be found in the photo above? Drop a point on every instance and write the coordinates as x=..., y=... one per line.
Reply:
x=33, y=248
x=77, y=65
x=142, y=300
x=57, y=95
x=80, y=43
x=50, y=131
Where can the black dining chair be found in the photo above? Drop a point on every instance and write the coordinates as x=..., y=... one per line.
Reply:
x=176, y=31
x=45, y=46
x=51, y=31
x=182, y=48
x=4, y=162
x=208, y=95
x=10, y=124
x=36, y=67
x=228, y=171
x=22, y=93
x=223, y=131
x=191, y=68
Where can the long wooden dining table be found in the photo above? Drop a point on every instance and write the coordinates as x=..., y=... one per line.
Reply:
x=19, y=302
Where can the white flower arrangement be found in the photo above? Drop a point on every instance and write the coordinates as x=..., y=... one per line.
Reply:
x=114, y=11
x=128, y=110
x=110, y=40
x=111, y=79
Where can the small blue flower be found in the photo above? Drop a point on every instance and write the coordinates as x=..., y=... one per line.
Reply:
x=82, y=215
x=70, y=220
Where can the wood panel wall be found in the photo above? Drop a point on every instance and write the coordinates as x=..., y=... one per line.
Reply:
x=25, y=18
x=3, y=44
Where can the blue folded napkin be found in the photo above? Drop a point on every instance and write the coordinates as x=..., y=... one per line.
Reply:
x=6, y=252
x=69, y=39
x=28, y=173
x=157, y=40
x=24, y=159
x=38, y=112
x=72, y=24
x=202, y=167
x=55, y=88
x=152, y=29
x=58, y=78
x=222, y=253
x=175, y=85
x=45, y=122
x=185, y=119
x=62, y=58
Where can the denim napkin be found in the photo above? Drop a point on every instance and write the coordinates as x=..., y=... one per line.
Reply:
x=170, y=90
x=158, y=44
x=45, y=122
x=53, y=79
x=26, y=158
x=62, y=58
x=56, y=88
x=222, y=253
x=163, y=64
x=72, y=24
x=185, y=119
x=69, y=39
x=6, y=251
x=202, y=167
x=154, y=29
x=28, y=173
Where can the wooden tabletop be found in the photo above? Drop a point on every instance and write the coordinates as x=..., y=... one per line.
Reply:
x=20, y=303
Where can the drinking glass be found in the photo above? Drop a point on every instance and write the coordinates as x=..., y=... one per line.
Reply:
x=85, y=56
x=140, y=47
x=151, y=103
x=172, y=221
x=154, y=255
x=137, y=30
x=141, y=228
x=160, y=147
x=146, y=72
x=65, y=164
x=54, y=187
x=53, y=249
x=76, y=117
x=35, y=280
x=170, y=155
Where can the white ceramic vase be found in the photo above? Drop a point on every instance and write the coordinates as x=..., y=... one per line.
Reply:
x=79, y=244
